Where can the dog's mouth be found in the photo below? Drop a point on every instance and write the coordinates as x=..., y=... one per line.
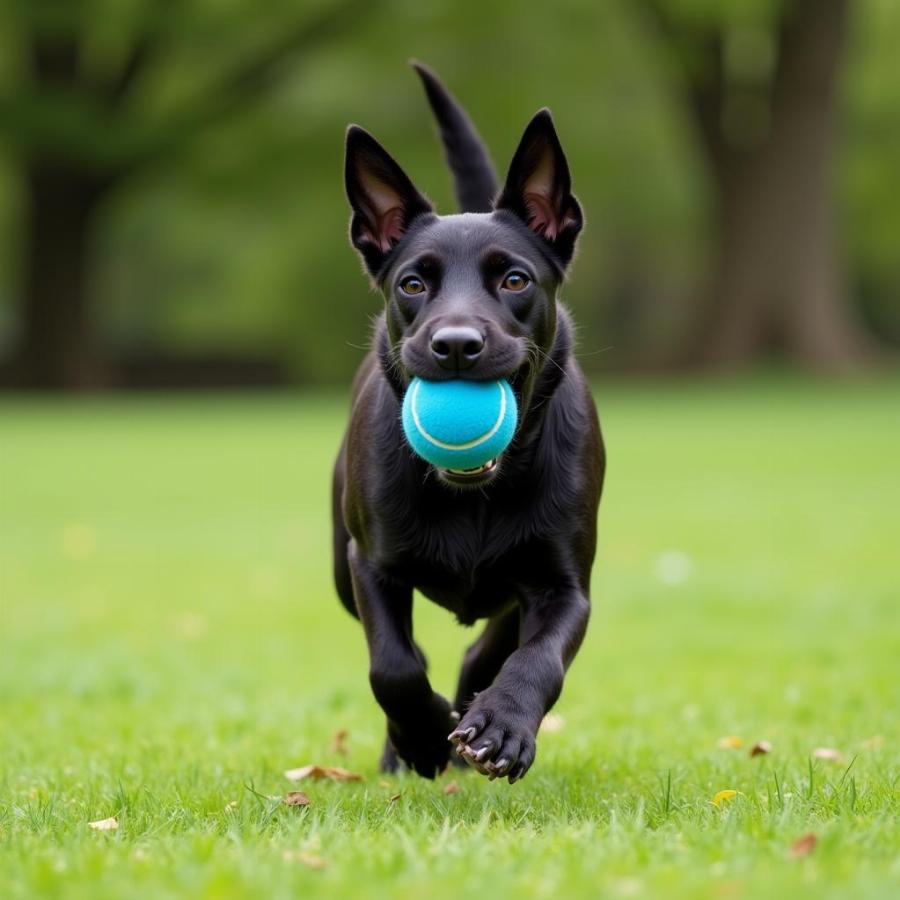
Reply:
x=470, y=477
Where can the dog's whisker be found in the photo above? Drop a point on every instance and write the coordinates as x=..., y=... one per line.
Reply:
x=547, y=357
x=595, y=352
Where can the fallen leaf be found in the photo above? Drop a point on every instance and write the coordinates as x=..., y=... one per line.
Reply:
x=803, y=846
x=828, y=753
x=296, y=798
x=335, y=773
x=722, y=796
x=552, y=723
x=730, y=742
x=310, y=860
x=873, y=742
x=760, y=748
x=110, y=824
x=394, y=798
x=339, y=741
x=383, y=783
x=451, y=788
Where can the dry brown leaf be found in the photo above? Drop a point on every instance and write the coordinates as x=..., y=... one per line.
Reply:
x=339, y=742
x=335, y=773
x=803, y=846
x=730, y=742
x=552, y=723
x=451, y=788
x=761, y=748
x=394, y=798
x=722, y=796
x=296, y=798
x=310, y=860
x=828, y=753
x=110, y=824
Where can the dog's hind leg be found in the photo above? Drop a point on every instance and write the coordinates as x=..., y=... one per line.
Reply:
x=483, y=659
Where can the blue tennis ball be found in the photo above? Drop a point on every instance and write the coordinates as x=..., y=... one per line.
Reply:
x=459, y=424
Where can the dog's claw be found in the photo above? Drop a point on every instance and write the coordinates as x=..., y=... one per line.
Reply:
x=462, y=737
x=498, y=767
x=481, y=754
x=454, y=715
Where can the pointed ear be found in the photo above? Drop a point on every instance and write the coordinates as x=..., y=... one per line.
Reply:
x=383, y=199
x=538, y=188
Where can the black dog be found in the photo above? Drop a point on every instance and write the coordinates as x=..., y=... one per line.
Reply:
x=469, y=296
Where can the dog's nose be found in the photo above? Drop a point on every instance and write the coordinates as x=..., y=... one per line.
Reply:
x=457, y=346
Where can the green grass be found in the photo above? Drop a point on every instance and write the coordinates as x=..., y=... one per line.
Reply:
x=170, y=643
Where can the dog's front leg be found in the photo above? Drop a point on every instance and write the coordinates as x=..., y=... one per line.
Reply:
x=418, y=718
x=497, y=733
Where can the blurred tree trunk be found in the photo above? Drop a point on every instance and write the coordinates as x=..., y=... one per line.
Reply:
x=56, y=347
x=68, y=176
x=776, y=284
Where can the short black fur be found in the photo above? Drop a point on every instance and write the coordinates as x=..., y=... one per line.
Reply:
x=515, y=544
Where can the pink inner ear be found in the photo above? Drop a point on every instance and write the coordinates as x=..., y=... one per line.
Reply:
x=541, y=217
x=385, y=211
x=390, y=228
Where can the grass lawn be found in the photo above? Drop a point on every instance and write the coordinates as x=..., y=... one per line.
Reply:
x=170, y=644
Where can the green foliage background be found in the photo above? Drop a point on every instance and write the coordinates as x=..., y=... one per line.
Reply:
x=238, y=243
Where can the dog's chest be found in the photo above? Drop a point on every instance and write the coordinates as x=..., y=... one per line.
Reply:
x=467, y=562
x=470, y=587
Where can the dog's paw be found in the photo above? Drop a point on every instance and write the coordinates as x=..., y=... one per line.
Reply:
x=496, y=737
x=421, y=741
x=389, y=762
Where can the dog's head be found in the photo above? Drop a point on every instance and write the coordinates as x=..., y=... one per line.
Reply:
x=471, y=295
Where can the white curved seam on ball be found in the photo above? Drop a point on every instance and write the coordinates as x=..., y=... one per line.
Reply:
x=469, y=444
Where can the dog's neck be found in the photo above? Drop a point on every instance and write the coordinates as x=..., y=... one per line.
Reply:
x=547, y=379
x=388, y=359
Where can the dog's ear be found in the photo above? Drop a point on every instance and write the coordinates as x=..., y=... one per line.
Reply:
x=538, y=188
x=383, y=199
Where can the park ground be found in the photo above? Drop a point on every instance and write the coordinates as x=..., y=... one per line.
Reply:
x=170, y=645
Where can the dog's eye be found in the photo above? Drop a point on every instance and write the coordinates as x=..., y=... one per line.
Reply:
x=515, y=281
x=412, y=285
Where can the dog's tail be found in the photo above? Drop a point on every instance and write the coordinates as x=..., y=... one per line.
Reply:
x=469, y=160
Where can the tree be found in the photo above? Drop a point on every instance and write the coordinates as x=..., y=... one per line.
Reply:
x=77, y=130
x=761, y=93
